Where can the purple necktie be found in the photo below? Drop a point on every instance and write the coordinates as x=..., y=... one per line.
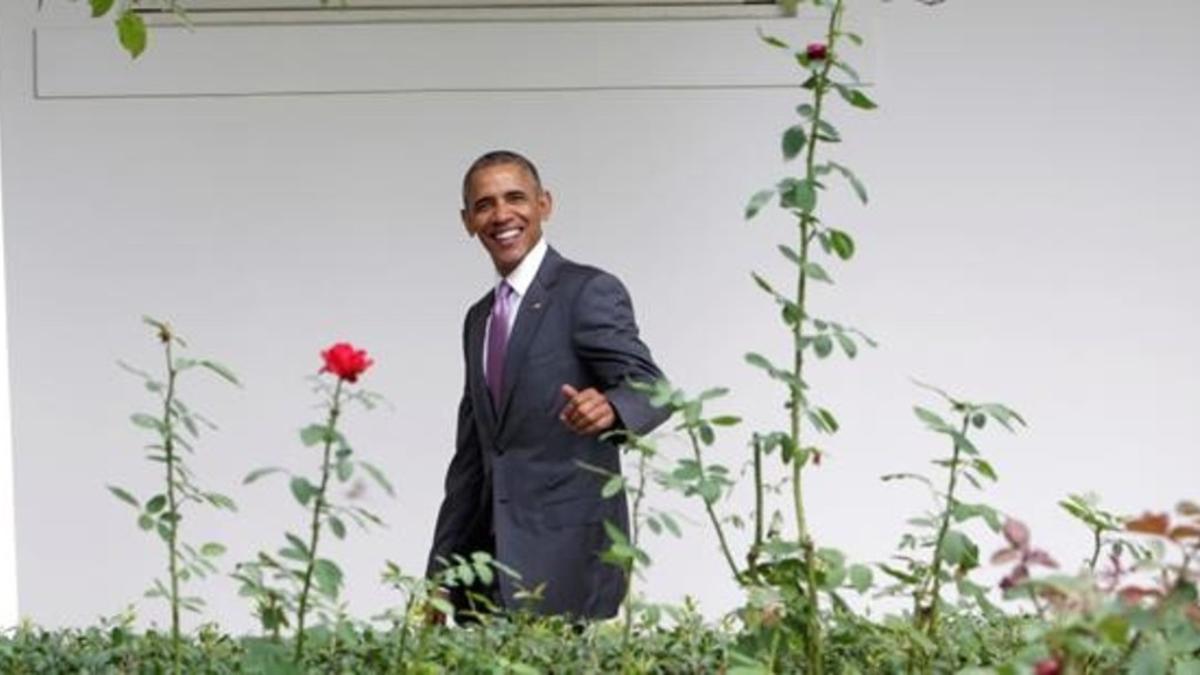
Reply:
x=498, y=340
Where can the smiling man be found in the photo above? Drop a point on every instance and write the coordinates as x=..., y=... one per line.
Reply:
x=550, y=353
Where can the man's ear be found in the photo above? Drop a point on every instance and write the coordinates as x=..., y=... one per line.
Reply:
x=547, y=204
x=462, y=213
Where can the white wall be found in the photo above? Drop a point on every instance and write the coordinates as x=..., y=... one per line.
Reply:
x=1029, y=240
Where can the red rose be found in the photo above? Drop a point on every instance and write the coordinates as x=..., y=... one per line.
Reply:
x=816, y=51
x=1050, y=666
x=343, y=360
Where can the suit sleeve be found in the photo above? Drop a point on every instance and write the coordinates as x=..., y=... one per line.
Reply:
x=605, y=336
x=460, y=509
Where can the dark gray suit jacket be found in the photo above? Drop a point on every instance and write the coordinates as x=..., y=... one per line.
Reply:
x=515, y=481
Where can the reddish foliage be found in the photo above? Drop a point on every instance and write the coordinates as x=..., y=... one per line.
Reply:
x=1149, y=523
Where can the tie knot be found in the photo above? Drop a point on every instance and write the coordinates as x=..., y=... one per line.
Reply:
x=504, y=291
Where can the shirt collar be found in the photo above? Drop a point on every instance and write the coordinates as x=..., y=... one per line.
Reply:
x=522, y=276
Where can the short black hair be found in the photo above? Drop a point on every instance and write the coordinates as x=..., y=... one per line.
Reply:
x=494, y=158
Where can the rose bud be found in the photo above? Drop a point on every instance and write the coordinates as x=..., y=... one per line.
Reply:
x=816, y=51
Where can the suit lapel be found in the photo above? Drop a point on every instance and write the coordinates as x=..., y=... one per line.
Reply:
x=529, y=318
x=481, y=400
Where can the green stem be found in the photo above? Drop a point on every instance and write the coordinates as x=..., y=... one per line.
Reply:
x=712, y=514
x=172, y=506
x=315, y=531
x=930, y=612
x=635, y=537
x=752, y=554
x=1095, y=549
x=807, y=231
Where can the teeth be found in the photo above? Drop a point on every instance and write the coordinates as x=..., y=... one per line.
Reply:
x=507, y=235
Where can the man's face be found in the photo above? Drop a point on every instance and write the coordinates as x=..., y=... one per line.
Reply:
x=505, y=209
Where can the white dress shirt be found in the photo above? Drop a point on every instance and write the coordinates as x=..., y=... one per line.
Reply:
x=519, y=280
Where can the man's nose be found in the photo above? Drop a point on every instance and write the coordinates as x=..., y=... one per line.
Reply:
x=502, y=214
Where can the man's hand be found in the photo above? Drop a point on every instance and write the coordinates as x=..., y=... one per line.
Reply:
x=587, y=412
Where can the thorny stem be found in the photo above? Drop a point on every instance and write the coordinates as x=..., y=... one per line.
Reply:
x=635, y=525
x=318, y=507
x=752, y=554
x=708, y=507
x=172, y=502
x=1095, y=549
x=807, y=230
x=931, y=611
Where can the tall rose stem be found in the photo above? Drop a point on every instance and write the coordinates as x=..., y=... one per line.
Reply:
x=172, y=502
x=318, y=506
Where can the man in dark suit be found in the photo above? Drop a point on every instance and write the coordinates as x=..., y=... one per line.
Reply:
x=550, y=354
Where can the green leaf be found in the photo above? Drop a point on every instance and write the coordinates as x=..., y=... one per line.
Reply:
x=855, y=97
x=314, y=434
x=328, y=577
x=344, y=470
x=297, y=547
x=759, y=361
x=963, y=511
x=815, y=272
x=706, y=434
x=259, y=473
x=859, y=189
x=798, y=194
x=221, y=370
x=726, y=420
x=827, y=132
x=772, y=40
x=131, y=31
x=145, y=522
x=687, y=470
x=337, y=527
x=758, y=201
x=827, y=417
x=100, y=7
x=615, y=535
x=654, y=525
x=483, y=572
x=1004, y=415
x=123, y=495
x=220, y=501
x=932, y=419
x=958, y=550
x=147, y=421
x=612, y=486
x=156, y=504
x=1150, y=659
x=303, y=490
x=669, y=522
x=789, y=253
x=822, y=345
x=377, y=475
x=794, y=140
x=841, y=243
x=846, y=344
x=805, y=110
x=1188, y=667
x=984, y=468
x=860, y=577
x=212, y=549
